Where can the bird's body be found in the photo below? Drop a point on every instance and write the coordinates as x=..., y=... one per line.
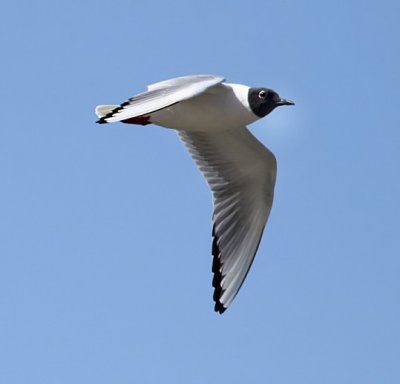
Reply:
x=209, y=112
x=211, y=117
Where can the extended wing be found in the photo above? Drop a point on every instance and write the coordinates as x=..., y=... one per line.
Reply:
x=241, y=173
x=159, y=95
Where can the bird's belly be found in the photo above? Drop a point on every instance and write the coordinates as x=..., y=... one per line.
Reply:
x=204, y=113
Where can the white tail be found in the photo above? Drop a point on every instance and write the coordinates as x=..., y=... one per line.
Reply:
x=102, y=110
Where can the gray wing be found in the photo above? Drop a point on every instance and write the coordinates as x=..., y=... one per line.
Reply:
x=161, y=95
x=241, y=173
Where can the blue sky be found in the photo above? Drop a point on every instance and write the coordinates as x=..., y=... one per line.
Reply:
x=105, y=267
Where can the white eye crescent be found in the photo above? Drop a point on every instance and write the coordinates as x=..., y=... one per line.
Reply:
x=262, y=94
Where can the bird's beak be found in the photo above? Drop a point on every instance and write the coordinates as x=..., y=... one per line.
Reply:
x=285, y=102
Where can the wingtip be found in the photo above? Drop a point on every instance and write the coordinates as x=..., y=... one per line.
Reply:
x=219, y=307
x=217, y=279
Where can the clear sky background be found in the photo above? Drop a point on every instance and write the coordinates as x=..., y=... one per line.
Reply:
x=105, y=267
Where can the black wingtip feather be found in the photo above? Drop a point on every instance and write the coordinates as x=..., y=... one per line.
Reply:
x=219, y=308
x=217, y=279
x=103, y=119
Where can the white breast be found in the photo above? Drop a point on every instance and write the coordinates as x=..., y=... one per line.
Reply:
x=219, y=108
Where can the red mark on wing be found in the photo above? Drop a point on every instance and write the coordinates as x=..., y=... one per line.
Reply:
x=140, y=120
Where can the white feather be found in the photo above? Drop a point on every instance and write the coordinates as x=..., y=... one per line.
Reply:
x=102, y=110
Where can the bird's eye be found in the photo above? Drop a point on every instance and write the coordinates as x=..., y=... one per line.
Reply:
x=262, y=95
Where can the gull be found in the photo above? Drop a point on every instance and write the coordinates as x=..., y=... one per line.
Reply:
x=210, y=116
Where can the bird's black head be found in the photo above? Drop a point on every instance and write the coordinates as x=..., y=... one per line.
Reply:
x=263, y=101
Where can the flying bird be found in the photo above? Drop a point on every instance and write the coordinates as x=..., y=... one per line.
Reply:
x=210, y=116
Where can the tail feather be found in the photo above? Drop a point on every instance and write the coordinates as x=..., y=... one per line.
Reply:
x=103, y=110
